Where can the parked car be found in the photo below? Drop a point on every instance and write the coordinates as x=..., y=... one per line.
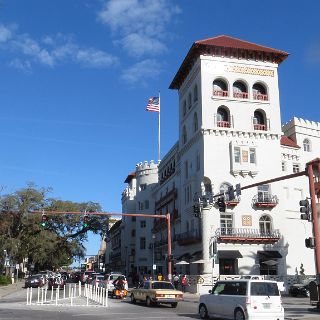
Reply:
x=91, y=276
x=156, y=292
x=242, y=299
x=110, y=278
x=300, y=289
x=97, y=279
x=84, y=276
x=35, y=281
x=56, y=282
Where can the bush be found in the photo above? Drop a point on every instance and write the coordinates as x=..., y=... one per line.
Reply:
x=5, y=280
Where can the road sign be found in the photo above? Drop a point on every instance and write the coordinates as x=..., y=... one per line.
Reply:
x=154, y=267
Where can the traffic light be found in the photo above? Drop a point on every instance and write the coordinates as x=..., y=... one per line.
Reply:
x=196, y=210
x=85, y=221
x=310, y=242
x=305, y=210
x=221, y=204
x=44, y=221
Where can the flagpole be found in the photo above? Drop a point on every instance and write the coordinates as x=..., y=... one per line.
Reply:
x=159, y=130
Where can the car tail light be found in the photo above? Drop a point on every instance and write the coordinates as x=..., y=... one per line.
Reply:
x=159, y=295
x=179, y=296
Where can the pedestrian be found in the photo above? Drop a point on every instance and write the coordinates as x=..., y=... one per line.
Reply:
x=184, y=283
x=160, y=278
x=176, y=280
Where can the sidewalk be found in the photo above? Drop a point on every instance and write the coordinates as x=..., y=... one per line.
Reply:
x=5, y=290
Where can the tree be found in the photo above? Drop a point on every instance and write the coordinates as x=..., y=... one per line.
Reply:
x=22, y=236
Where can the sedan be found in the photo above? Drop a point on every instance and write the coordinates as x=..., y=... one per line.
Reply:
x=34, y=281
x=156, y=292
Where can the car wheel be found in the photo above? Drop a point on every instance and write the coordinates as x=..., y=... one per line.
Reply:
x=174, y=304
x=133, y=300
x=239, y=315
x=203, y=311
x=148, y=302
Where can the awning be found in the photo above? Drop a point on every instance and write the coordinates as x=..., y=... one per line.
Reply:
x=229, y=254
x=269, y=254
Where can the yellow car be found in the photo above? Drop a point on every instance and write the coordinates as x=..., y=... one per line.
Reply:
x=156, y=292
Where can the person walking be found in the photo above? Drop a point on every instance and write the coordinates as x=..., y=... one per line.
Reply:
x=184, y=283
x=176, y=280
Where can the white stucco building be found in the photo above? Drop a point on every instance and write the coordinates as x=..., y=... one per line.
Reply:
x=230, y=132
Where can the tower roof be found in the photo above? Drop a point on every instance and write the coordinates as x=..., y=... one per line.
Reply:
x=223, y=46
x=288, y=142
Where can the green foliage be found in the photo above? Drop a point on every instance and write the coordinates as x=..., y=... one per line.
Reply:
x=301, y=269
x=4, y=280
x=22, y=235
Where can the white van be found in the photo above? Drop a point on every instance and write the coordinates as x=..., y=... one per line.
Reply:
x=243, y=300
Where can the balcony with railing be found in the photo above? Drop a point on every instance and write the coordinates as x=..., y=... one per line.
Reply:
x=247, y=235
x=223, y=124
x=220, y=93
x=262, y=200
x=260, y=126
x=260, y=96
x=240, y=95
x=189, y=237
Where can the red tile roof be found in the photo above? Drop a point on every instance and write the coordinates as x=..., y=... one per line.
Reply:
x=288, y=142
x=130, y=177
x=207, y=46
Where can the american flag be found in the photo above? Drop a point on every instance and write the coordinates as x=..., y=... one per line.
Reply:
x=153, y=104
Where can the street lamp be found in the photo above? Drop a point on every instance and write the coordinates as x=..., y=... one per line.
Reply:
x=153, y=237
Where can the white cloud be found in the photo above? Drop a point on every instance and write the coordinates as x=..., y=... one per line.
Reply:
x=138, y=45
x=23, y=65
x=141, y=71
x=95, y=58
x=139, y=21
x=5, y=33
x=51, y=51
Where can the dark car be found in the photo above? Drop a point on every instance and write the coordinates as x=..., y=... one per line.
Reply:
x=35, y=281
x=56, y=282
x=300, y=289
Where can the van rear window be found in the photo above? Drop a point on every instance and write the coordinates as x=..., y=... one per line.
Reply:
x=264, y=289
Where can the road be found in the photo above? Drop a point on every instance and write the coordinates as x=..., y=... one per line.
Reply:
x=13, y=307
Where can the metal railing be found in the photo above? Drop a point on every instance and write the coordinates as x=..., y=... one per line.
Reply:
x=247, y=233
x=265, y=198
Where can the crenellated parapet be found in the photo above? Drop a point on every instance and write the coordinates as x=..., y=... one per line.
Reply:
x=299, y=125
x=146, y=168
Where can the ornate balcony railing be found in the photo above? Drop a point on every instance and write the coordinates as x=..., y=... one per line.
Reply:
x=185, y=238
x=223, y=124
x=247, y=235
x=262, y=200
x=240, y=95
x=220, y=93
x=260, y=96
x=259, y=126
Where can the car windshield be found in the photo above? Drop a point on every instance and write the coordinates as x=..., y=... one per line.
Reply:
x=162, y=285
x=264, y=289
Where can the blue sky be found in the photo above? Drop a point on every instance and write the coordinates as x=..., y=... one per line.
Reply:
x=75, y=77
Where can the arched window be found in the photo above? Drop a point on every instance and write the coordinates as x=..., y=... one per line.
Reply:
x=220, y=88
x=265, y=225
x=195, y=122
x=189, y=101
x=223, y=117
x=184, y=108
x=195, y=93
x=259, y=122
x=306, y=145
x=206, y=186
x=224, y=189
x=259, y=92
x=184, y=135
x=240, y=90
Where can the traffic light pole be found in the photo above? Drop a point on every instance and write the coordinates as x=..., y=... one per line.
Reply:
x=166, y=216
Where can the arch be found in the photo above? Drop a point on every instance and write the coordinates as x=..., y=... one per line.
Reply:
x=184, y=107
x=265, y=224
x=240, y=89
x=184, y=135
x=260, y=91
x=259, y=120
x=220, y=88
x=189, y=101
x=306, y=145
x=223, y=117
x=195, y=122
x=195, y=93
x=206, y=186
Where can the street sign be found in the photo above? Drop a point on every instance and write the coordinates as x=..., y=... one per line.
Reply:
x=154, y=267
x=17, y=266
